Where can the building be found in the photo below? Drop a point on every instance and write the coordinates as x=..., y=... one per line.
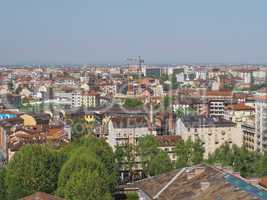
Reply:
x=168, y=143
x=238, y=112
x=41, y=196
x=213, y=133
x=85, y=99
x=249, y=134
x=261, y=123
x=217, y=101
x=199, y=183
x=216, y=108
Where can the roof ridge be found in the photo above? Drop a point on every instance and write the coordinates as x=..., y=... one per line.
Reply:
x=170, y=182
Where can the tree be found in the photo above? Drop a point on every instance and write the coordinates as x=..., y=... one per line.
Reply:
x=183, y=153
x=181, y=112
x=92, y=154
x=79, y=128
x=241, y=160
x=198, y=152
x=189, y=153
x=132, y=196
x=133, y=103
x=34, y=168
x=84, y=185
x=104, y=153
x=126, y=156
x=82, y=167
x=160, y=163
x=147, y=148
x=167, y=100
x=2, y=184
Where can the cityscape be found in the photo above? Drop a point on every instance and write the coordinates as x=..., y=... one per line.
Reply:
x=145, y=126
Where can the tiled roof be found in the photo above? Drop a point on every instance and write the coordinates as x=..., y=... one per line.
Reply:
x=41, y=196
x=199, y=183
x=167, y=140
x=238, y=107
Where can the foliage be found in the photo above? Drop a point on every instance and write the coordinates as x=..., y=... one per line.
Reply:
x=241, y=160
x=132, y=196
x=2, y=184
x=34, y=168
x=181, y=112
x=160, y=163
x=86, y=185
x=125, y=156
x=133, y=103
x=189, y=153
x=258, y=86
x=228, y=86
x=79, y=128
x=147, y=148
x=89, y=157
x=167, y=100
x=80, y=160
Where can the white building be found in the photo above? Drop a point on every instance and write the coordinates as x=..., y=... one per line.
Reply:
x=85, y=99
x=261, y=123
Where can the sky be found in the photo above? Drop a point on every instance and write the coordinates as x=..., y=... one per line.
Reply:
x=109, y=31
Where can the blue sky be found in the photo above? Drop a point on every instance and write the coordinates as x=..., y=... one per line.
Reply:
x=108, y=31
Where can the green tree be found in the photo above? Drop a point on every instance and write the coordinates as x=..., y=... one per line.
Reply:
x=189, y=153
x=147, y=148
x=198, y=152
x=126, y=157
x=34, y=168
x=86, y=185
x=132, y=196
x=2, y=184
x=133, y=103
x=241, y=160
x=167, y=100
x=90, y=153
x=183, y=153
x=79, y=128
x=104, y=153
x=160, y=163
x=260, y=166
x=80, y=164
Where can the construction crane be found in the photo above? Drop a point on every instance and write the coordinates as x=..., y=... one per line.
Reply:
x=137, y=61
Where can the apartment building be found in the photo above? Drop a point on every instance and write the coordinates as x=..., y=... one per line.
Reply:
x=249, y=134
x=238, y=112
x=85, y=99
x=213, y=133
x=261, y=123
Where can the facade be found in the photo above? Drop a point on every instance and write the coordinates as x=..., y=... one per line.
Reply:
x=212, y=133
x=238, y=112
x=261, y=123
x=85, y=99
x=249, y=135
x=168, y=143
x=216, y=108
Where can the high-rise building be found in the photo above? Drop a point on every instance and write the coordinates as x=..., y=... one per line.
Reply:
x=261, y=123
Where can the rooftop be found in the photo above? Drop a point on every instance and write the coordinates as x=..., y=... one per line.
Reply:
x=239, y=107
x=199, y=183
x=41, y=196
x=201, y=121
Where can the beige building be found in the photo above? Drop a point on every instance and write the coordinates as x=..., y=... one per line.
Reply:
x=212, y=133
x=249, y=134
x=238, y=112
